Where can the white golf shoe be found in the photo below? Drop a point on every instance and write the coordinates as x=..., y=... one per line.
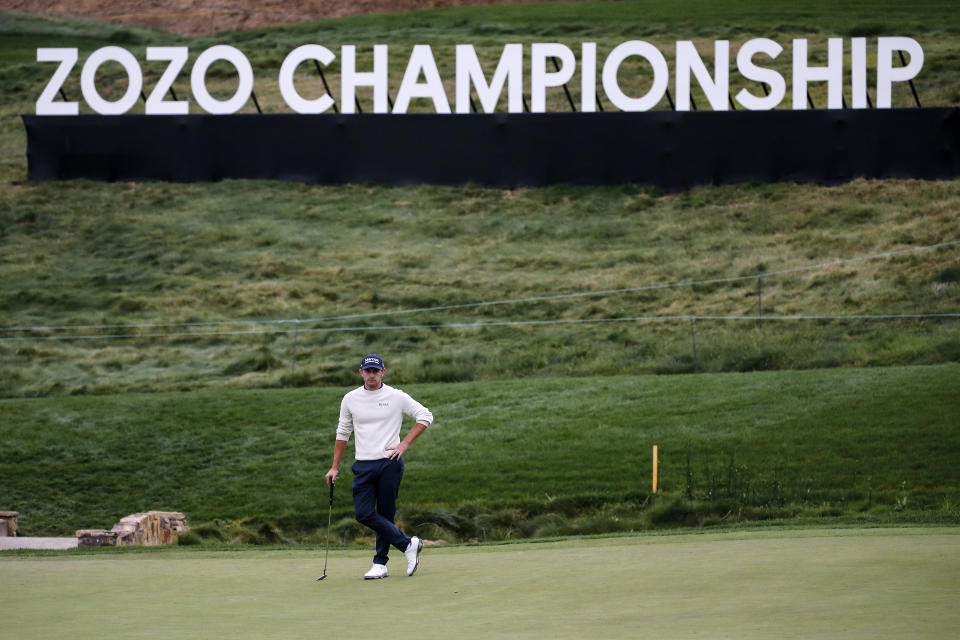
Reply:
x=413, y=554
x=376, y=572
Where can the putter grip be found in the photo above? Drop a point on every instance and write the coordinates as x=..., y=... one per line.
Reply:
x=332, y=484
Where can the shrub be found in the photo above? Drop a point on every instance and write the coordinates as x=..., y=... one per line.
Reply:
x=675, y=513
x=188, y=538
x=950, y=274
x=349, y=529
x=435, y=523
x=207, y=532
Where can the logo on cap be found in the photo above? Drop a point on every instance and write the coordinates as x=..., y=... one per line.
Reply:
x=372, y=361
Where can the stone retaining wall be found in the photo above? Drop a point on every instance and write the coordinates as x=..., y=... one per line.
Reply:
x=96, y=538
x=150, y=528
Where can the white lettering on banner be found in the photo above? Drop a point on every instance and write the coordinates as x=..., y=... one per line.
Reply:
x=612, y=67
x=541, y=78
x=156, y=105
x=289, y=92
x=551, y=65
x=750, y=71
x=509, y=71
x=717, y=87
x=887, y=74
x=588, y=77
x=350, y=79
x=421, y=62
x=832, y=73
x=45, y=103
x=198, y=79
x=88, y=84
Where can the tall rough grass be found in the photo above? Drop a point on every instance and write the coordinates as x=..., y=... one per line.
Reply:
x=258, y=265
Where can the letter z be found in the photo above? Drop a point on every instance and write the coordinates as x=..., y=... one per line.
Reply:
x=45, y=104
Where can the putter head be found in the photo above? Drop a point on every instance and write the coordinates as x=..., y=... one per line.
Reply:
x=321, y=577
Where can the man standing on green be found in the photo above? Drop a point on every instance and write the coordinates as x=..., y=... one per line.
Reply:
x=374, y=414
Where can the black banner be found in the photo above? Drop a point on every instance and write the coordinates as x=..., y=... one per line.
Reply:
x=667, y=149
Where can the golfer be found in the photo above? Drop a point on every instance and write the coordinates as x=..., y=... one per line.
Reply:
x=374, y=413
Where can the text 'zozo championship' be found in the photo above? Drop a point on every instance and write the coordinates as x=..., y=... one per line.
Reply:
x=422, y=78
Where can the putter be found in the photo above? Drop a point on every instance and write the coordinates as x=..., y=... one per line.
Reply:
x=327, y=554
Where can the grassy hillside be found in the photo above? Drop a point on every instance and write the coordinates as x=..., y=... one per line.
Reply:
x=528, y=319
x=245, y=260
x=83, y=254
x=531, y=457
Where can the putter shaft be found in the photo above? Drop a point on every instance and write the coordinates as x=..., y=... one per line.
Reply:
x=326, y=554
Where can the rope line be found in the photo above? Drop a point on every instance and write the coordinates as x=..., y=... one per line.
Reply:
x=473, y=305
x=501, y=323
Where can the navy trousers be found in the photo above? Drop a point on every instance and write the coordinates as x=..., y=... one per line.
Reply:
x=376, y=484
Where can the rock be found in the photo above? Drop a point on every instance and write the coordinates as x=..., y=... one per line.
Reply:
x=96, y=538
x=8, y=523
x=435, y=543
x=151, y=528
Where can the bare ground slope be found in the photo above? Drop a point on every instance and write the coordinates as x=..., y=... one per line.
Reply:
x=200, y=17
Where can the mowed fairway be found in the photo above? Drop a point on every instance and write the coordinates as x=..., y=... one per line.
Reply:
x=874, y=583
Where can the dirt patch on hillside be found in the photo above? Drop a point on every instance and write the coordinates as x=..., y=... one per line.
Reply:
x=201, y=17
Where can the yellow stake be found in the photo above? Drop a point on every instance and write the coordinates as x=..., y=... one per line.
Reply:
x=656, y=464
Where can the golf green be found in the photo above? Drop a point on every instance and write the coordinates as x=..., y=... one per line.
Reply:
x=865, y=583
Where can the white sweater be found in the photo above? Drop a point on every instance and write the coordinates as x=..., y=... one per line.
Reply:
x=375, y=417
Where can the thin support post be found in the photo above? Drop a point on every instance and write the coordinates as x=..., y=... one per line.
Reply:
x=326, y=87
x=912, y=88
x=656, y=468
x=693, y=340
x=255, y=102
x=556, y=66
x=296, y=335
x=759, y=300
